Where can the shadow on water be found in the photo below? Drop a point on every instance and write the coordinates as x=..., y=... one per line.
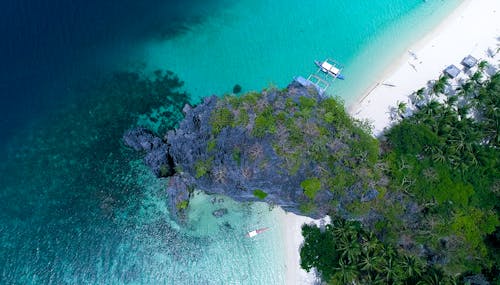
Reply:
x=75, y=208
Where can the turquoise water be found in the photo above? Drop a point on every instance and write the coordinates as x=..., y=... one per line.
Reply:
x=80, y=208
x=261, y=43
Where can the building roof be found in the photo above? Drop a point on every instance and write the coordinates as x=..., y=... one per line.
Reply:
x=452, y=71
x=469, y=61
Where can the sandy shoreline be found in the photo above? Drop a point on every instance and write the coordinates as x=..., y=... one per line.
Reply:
x=471, y=28
x=291, y=225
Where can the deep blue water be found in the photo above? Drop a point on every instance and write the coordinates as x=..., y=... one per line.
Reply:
x=74, y=210
x=45, y=45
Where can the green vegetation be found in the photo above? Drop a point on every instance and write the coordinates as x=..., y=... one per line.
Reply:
x=442, y=171
x=427, y=193
x=202, y=167
x=345, y=253
x=311, y=186
x=237, y=155
x=303, y=131
x=264, y=123
x=211, y=145
x=457, y=156
x=182, y=205
x=242, y=118
x=259, y=194
x=221, y=118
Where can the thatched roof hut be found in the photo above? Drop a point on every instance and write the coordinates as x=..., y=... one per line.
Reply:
x=469, y=61
x=452, y=71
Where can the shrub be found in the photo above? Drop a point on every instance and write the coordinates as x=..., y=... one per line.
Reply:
x=182, y=205
x=211, y=145
x=329, y=117
x=409, y=138
x=237, y=155
x=251, y=98
x=306, y=102
x=221, y=117
x=307, y=208
x=311, y=186
x=202, y=167
x=264, y=123
x=259, y=194
x=241, y=119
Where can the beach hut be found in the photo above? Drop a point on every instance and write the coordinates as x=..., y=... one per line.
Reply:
x=469, y=61
x=452, y=71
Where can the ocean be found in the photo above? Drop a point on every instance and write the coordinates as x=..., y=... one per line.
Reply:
x=77, y=207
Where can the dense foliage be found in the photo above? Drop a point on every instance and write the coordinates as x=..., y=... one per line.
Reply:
x=441, y=203
x=446, y=159
x=344, y=253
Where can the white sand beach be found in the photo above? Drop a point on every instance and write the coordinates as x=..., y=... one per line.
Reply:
x=291, y=225
x=472, y=29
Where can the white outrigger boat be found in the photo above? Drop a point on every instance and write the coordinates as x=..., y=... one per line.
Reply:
x=253, y=233
x=330, y=67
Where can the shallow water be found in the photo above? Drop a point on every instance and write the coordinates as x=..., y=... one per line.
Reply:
x=78, y=207
x=279, y=40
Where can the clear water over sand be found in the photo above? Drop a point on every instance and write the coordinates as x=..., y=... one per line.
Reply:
x=260, y=43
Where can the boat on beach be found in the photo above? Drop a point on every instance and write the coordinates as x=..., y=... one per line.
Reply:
x=330, y=67
x=253, y=233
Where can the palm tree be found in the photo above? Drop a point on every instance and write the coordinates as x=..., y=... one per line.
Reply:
x=418, y=98
x=451, y=101
x=440, y=85
x=436, y=277
x=482, y=65
x=350, y=249
x=433, y=108
x=412, y=266
x=391, y=271
x=345, y=274
x=369, y=262
x=343, y=229
x=370, y=243
x=476, y=77
x=401, y=109
x=463, y=111
x=458, y=142
x=467, y=89
x=439, y=156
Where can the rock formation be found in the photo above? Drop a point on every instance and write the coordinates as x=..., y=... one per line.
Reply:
x=275, y=146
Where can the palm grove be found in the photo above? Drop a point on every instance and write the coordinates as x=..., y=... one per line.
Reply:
x=438, y=202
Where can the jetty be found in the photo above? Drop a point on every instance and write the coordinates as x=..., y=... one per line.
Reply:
x=328, y=67
x=313, y=81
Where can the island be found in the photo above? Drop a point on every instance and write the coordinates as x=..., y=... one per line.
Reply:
x=425, y=194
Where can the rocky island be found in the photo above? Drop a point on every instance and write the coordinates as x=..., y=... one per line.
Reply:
x=292, y=148
x=301, y=151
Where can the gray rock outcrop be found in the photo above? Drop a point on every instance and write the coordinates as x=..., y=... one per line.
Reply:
x=157, y=158
x=234, y=160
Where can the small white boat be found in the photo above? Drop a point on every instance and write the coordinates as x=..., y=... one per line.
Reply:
x=330, y=67
x=253, y=233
